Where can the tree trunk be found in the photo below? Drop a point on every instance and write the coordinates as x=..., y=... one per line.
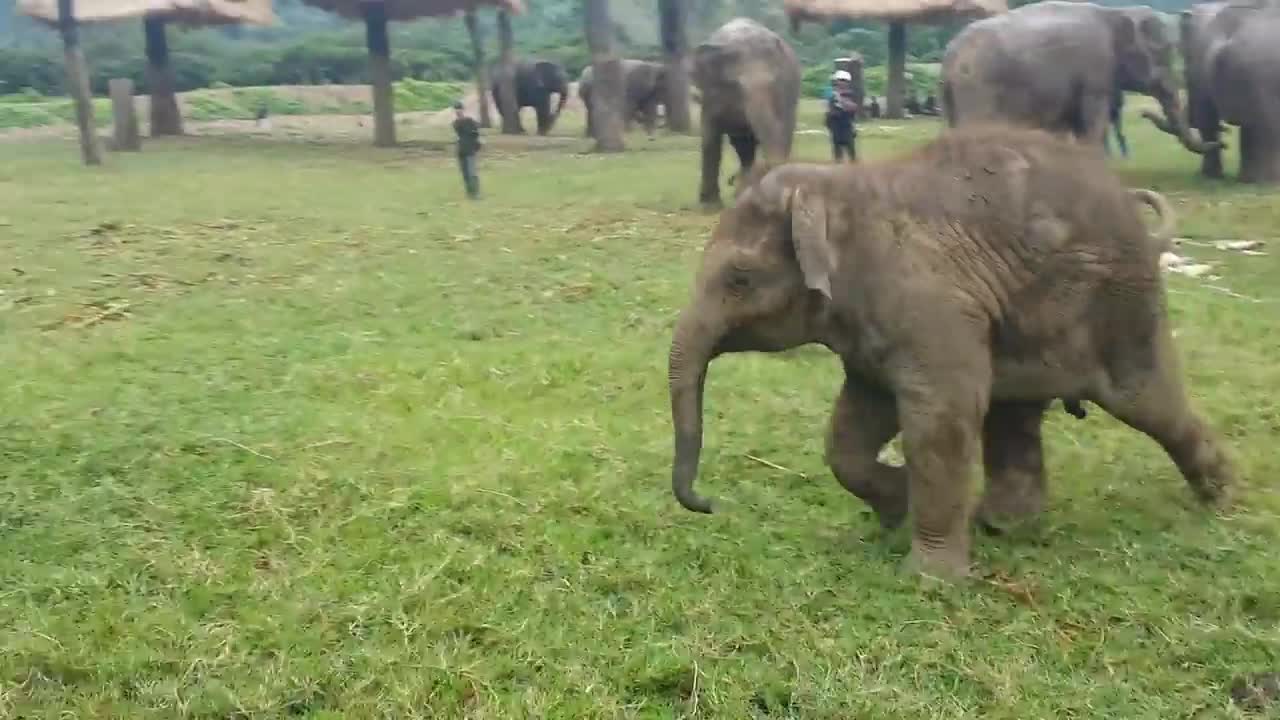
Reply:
x=166, y=117
x=896, y=89
x=78, y=83
x=481, y=70
x=384, y=112
x=507, y=106
x=674, y=17
x=609, y=86
x=124, y=118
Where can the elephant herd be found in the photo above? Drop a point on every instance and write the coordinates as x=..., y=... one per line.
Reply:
x=969, y=284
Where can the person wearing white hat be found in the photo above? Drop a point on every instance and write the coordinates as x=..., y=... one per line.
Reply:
x=841, y=111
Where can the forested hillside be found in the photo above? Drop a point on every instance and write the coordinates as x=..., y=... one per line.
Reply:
x=312, y=47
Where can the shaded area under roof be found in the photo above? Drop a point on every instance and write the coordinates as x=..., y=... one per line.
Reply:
x=908, y=11
x=190, y=12
x=411, y=9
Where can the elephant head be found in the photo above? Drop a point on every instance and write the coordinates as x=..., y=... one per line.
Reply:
x=763, y=285
x=1144, y=59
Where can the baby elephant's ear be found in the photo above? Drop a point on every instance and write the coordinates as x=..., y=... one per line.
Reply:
x=814, y=250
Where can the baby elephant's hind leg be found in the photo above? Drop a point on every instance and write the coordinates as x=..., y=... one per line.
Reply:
x=1155, y=402
x=1014, y=458
x=863, y=421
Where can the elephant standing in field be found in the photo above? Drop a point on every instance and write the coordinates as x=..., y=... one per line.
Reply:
x=964, y=287
x=646, y=90
x=1232, y=52
x=535, y=82
x=749, y=80
x=1054, y=65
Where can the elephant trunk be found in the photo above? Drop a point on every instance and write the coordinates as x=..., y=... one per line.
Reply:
x=564, y=98
x=691, y=352
x=1174, y=122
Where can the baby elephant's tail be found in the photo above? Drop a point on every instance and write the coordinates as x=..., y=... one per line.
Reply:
x=1163, y=235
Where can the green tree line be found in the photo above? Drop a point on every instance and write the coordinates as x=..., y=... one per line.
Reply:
x=309, y=46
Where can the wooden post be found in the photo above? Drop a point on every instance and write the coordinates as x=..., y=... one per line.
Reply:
x=507, y=106
x=384, y=112
x=481, y=70
x=674, y=17
x=896, y=89
x=166, y=117
x=78, y=83
x=608, y=84
x=124, y=118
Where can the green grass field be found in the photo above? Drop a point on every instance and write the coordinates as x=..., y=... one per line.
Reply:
x=293, y=430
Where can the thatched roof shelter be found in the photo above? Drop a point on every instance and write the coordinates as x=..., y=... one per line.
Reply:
x=399, y=10
x=898, y=13
x=187, y=12
x=908, y=11
x=376, y=14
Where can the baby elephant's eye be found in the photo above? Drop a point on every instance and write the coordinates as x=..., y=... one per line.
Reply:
x=739, y=281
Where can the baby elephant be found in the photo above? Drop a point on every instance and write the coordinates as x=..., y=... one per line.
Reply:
x=964, y=287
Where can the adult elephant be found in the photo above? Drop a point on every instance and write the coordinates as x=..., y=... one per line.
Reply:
x=646, y=87
x=749, y=80
x=535, y=82
x=1054, y=65
x=1233, y=76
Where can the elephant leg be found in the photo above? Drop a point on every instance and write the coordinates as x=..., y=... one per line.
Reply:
x=543, y=110
x=1259, y=154
x=712, y=147
x=1014, y=458
x=863, y=421
x=1094, y=119
x=745, y=146
x=941, y=414
x=1153, y=401
x=1211, y=161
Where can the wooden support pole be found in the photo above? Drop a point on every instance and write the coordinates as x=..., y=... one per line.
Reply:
x=78, y=83
x=608, y=85
x=166, y=117
x=125, y=134
x=674, y=19
x=384, y=112
x=481, y=69
x=896, y=90
x=507, y=106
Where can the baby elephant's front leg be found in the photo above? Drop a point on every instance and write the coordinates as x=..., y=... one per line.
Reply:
x=864, y=420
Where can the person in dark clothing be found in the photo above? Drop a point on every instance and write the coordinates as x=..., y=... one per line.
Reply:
x=841, y=111
x=1115, y=116
x=874, y=108
x=468, y=132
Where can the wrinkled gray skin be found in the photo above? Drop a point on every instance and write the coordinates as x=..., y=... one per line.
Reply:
x=964, y=287
x=749, y=80
x=536, y=81
x=646, y=88
x=1053, y=65
x=1232, y=55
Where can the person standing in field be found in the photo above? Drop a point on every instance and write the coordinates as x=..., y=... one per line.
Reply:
x=468, y=132
x=841, y=111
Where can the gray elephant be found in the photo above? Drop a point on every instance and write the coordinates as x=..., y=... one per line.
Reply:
x=646, y=90
x=1233, y=76
x=1054, y=65
x=964, y=287
x=749, y=80
x=535, y=82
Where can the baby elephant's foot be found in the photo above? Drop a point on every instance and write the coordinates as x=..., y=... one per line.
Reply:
x=891, y=511
x=946, y=562
x=1000, y=512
